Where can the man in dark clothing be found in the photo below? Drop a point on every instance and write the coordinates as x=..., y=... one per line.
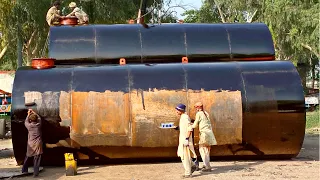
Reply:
x=34, y=147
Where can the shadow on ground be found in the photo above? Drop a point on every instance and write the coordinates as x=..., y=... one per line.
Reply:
x=237, y=166
x=6, y=153
x=310, y=148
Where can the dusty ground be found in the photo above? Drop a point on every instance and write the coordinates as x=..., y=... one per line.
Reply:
x=305, y=166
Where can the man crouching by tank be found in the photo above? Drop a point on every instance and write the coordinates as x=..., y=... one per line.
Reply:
x=185, y=142
x=53, y=14
x=34, y=146
x=79, y=13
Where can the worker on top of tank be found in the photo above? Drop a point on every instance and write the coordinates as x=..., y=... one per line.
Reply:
x=34, y=145
x=207, y=138
x=131, y=21
x=79, y=13
x=185, y=142
x=53, y=14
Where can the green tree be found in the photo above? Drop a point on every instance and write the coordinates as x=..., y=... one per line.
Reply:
x=295, y=29
x=206, y=14
x=6, y=7
x=30, y=15
x=294, y=25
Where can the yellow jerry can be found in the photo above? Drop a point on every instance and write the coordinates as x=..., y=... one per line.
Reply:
x=71, y=164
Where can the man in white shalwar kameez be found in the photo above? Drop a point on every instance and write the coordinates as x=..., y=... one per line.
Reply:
x=207, y=138
x=185, y=142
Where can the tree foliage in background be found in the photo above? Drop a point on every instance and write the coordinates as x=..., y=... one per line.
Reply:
x=7, y=45
x=30, y=15
x=294, y=25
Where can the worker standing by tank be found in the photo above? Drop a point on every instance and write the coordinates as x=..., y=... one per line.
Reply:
x=207, y=138
x=185, y=141
x=79, y=13
x=34, y=145
x=53, y=14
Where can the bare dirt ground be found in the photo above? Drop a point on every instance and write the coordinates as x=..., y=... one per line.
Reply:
x=305, y=166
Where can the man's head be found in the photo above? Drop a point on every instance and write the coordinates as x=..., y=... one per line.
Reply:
x=72, y=5
x=199, y=106
x=181, y=108
x=131, y=21
x=33, y=118
x=56, y=4
x=180, y=21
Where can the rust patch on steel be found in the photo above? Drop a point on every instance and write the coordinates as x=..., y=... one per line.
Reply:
x=100, y=118
x=157, y=106
x=225, y=110
x=123, y=119
x=149, y=110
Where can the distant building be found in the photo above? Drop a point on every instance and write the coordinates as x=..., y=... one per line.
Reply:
x=6, y=80
x=6, y=84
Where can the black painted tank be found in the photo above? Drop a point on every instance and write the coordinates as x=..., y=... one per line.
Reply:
x=160, y=43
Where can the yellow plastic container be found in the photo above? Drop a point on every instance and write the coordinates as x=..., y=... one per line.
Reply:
x=71, y=164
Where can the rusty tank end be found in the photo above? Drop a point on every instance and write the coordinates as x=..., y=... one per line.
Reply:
x=101, y=110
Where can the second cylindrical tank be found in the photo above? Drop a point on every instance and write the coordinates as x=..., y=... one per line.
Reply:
x=256, y=108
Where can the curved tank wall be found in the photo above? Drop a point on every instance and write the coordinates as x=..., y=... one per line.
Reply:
x=97, y=44
x=256, y=108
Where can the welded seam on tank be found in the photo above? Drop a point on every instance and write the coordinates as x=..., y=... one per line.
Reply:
x=185, y=41
x=142, y=100
x=186, y=84
x=268, y=72
x=95, y=45
x=183, y=67
x=74, y=40
x=141, y=45
x=244, y=86
x=229, y=42
x=71, y=103
x=130, y=104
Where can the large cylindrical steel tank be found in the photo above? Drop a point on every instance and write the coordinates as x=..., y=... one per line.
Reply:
x=160, y=43
x=114, y=112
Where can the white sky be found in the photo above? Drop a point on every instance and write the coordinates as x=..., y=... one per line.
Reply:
x=188, y=4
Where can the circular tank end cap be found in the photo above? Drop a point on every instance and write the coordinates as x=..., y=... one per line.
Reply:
x=42, y=63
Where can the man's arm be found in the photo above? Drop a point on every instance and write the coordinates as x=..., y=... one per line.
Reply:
x=190, y=128
x=56, y=14
x=39, y=119
x=26, y=121
x=73, y=13
x=189, y=134
x=193, y=126
x=196, y=121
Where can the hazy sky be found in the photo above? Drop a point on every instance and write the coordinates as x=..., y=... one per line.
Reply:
x=188, y=4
